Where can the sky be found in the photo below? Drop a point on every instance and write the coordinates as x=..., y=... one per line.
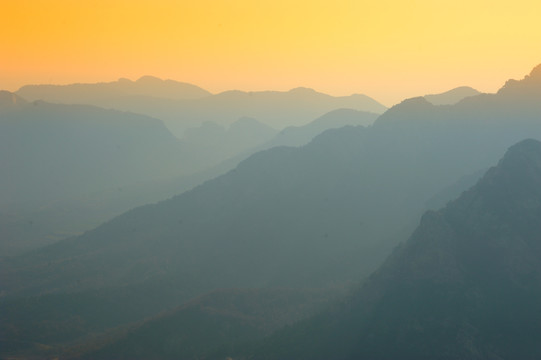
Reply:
x=389, y=50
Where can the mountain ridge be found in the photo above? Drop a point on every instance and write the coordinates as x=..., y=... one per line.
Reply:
x=466, y=284
x=277, y=109
x=452, y=96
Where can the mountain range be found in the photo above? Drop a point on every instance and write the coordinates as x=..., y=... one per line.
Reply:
x=71, y=167
x=343, y=191
x=276, y=109
x=319, y=215
x=93, y=94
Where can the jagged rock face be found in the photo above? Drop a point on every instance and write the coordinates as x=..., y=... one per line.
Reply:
x=468, y=282
x=525, y=89
x=501, y=214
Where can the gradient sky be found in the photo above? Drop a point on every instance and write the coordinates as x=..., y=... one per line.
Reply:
x=386, y=49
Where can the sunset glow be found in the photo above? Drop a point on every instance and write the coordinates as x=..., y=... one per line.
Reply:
x=386, y=49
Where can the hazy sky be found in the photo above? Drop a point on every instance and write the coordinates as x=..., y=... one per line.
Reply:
x=386, y=49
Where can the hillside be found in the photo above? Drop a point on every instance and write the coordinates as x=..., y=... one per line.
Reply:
x=466, y=285
x=211, y=325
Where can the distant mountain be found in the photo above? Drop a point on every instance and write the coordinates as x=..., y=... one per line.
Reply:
x=49, y=152
x=274, y=108
x=68, y=168
x=10, y=101
x=93, y=94
x=325, y=213
x=452, y=96
x=241, y=136
x=466, y=285
x=35, y=219
x=302, y=135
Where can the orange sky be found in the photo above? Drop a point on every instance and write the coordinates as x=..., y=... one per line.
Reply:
x=386, y=49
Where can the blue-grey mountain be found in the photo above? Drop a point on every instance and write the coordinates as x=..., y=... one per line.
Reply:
x=276, y=109
x=466, y=285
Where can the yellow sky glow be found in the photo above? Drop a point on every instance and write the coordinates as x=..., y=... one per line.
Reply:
x=386, y=49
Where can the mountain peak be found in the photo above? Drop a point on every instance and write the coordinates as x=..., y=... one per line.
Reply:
x=525, y=147
x=302, y=90
x=124, y=81
x=452, y=96
x=527, y=87
x=536, y=72
x=10, y=100
x=405, y=112
x=148, y=79
x=414, y=102
x=523, y=157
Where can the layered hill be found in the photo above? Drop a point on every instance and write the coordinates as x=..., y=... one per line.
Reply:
x=67, y=166
x=99, y=92
x=452, y=96
x=333, y=196
x=321, y=214
x=276, y=109
x=466, y=285
x=240, y=137
x=59, y=161
x=302, y=135
x=49, y=152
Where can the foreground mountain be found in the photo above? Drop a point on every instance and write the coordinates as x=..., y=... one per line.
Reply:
x=276, y=109
x=452, y=96
x=314, y=216
x=466, y=285
x=211, y=325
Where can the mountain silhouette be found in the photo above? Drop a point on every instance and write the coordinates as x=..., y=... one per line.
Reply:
x=452, y=96
x=94, y=93
x=10, y=101
x=39, y=207
x=466, y=285
x=302, y=135
x=75, y=149
x=276, y=109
